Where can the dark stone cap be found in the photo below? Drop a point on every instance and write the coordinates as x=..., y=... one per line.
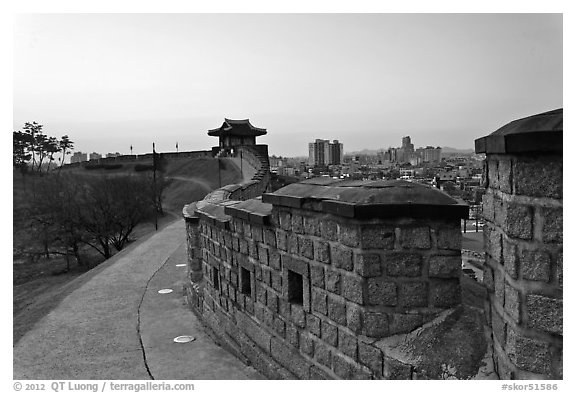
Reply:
x=538, y=133
x=252, y=210
x=369, y=199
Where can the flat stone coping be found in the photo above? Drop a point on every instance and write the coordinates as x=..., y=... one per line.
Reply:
x=537, y=133
x=368, y=199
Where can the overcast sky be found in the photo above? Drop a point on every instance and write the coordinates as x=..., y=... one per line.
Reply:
x=112, y=80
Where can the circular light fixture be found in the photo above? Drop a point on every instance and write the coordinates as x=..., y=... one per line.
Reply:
x=181, y=265
x=163, y=291
x=184, y=339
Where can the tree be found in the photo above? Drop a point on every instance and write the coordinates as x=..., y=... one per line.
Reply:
x=32, y=130
x=111, y=209
x=66, y=145
x=51, y=146
x=20, y=150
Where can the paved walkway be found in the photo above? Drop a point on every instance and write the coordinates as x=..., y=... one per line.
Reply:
x=117, y=326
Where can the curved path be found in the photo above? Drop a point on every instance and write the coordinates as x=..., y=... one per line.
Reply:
x=116, y=325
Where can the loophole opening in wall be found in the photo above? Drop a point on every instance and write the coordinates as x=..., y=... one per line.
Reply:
x=215, y=278
x=245, y=281
x=295, y=288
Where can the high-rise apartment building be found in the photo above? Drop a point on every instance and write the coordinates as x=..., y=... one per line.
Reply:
x=95, y=156
x=78, y=157
x=324, y=152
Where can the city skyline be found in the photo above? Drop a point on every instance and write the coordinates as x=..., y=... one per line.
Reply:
x=364, y=79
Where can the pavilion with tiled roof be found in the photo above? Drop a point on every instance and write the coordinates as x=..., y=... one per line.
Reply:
x=236, y=133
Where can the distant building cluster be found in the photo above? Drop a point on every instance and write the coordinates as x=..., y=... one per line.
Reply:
x=407, y=154
x=322, y=152
x=81, y=157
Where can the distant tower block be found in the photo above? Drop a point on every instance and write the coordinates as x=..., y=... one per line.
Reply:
x=233, y=133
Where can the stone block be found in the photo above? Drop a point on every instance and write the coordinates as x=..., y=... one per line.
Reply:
x=449, y=238
x=267, y=276
x=346, y=369
x=382, y=292
x=403, y=264
x=396, y=370
x=306, y=345
x=375, y=324
x=322, y=251
x=371, y=357
x=493, y=173
x=354, y=318
x=317, y=374
x=333, y=281
x=499, y=328
x=243, y=247
x=499, y=287
x=292, y=335
x=297, y=223
x=544, y=313
x=274, y=259
x=329, y=230
x=281, y=240
x=257, y=233
x=367, y=265
x=292, y=243
x=276, y=281
x=377, y=236
x=260, y=293
x=341, y=257
x=538, y=177
x=263, y=255
x=413, y=294
x=270, y=237
x=260, y=337
x=505, y=175
x=404, y=323
x=280, y=327
x=510, y=258
x=493, y=243
x=284, y=308
x=319, y=301
x=311, y=226
x=517, y=220
x=317, y=276
x=353, y=288
x=313, y=324
x=445, y=266
x=298, y=316
x=445, y=293
x=488, y=206
x=289, y=358
x=285, y=220
x=528, y=353
x=295, y=265
x=418, y=237
x=337, y=310
x=306, y=247
x=329, y=334
x=323, y=354
x=348, y=344
x=512, y=302
x=272, y=301
x=560, y=269
x=349, y=235
x=535, y=265
x=552, y=225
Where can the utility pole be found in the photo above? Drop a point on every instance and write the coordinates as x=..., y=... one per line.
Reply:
x=154, y=186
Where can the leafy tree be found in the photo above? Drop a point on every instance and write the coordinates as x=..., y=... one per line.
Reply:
x=66, y=146
x=51, y=147
x=20, y=150
x=32, y=130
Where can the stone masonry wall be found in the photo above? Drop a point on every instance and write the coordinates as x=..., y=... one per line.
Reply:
x=302, y=294
x=523, y=270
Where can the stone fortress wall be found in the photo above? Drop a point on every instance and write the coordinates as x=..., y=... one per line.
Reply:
x=329, y=279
